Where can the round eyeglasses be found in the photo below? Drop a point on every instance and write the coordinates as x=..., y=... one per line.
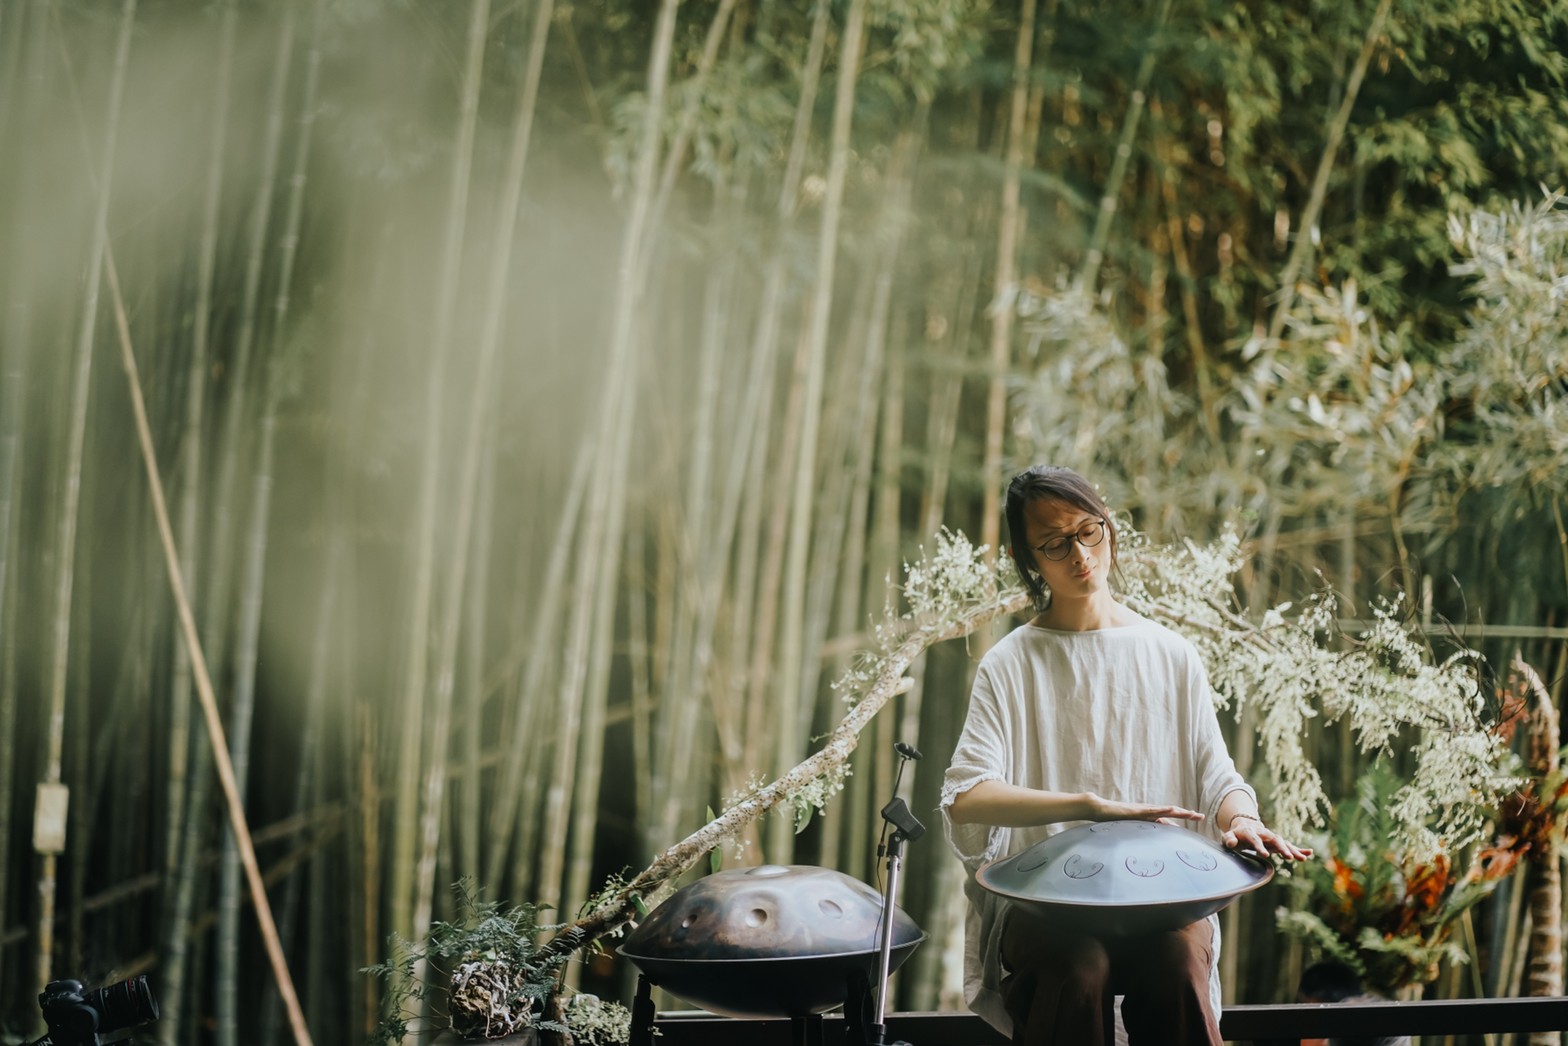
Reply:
x=1088, y=535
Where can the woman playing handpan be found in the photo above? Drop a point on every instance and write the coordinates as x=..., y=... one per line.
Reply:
x=1089, y=712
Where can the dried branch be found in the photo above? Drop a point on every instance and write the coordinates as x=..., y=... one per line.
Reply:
x=616, y=910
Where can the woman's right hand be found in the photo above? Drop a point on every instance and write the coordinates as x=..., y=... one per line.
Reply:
x=1112, y=810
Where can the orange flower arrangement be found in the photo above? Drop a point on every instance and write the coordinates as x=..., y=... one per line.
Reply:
x=1387, y=917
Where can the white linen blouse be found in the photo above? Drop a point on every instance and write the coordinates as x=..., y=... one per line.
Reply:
x=1123, y=712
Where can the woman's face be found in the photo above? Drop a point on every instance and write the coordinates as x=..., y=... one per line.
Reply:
x=1083, y=570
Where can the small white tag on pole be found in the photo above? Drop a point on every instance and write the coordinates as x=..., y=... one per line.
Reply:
x=49, y=818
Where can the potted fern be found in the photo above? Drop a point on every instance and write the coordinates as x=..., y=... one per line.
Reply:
x=482, y=976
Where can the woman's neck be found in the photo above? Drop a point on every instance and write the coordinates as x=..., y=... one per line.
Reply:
x=1085, y=615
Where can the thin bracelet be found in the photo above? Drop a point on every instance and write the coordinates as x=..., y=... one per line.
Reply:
x=1242, y=817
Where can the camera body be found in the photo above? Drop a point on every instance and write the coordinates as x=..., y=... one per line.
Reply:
x=76, y=1016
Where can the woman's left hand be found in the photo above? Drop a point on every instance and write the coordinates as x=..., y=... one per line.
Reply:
x=1247, y=832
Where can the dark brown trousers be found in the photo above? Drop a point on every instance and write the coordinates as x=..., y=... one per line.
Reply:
x=1060, y=985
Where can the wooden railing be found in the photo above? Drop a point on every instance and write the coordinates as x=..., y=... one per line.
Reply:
x=1242, y=1024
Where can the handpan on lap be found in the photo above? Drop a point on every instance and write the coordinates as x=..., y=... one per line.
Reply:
x=1125, y=877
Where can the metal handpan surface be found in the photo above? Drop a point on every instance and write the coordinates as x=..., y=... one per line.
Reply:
x=1125, y=877
x=769, y=941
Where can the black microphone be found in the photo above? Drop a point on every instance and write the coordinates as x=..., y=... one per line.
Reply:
x=905, y=750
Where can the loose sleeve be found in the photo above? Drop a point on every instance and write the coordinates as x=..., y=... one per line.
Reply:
x=1217, y=773
x=982, y=754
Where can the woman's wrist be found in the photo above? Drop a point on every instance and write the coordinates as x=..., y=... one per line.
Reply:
x=1243, y=816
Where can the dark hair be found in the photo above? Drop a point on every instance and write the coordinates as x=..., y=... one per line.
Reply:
x=1047, y=483
x=1328, y=981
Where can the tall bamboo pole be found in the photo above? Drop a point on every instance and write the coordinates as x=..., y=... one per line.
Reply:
x=220, y=572
x=549, y=609
x=947, y=386
x=580, y=728
x=481, y=402
x=49, y=821
x=423, y=847
x=241, y=716
x=307, y=780
x=703, y=548
x=190, y=453
x=204, y=690
x=249, y=628
x=762, y=579
x=78, y=770
x=470, y=798
x=850, y=609
x=499, y=269
x=790, y=730
x=1004, y=286
x=679, y=141
x=1307, y=226
x=1090, y=274
x=13, y=375
x=1187, y=279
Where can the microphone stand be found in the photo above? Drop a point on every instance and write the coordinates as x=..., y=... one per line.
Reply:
x=906, y=828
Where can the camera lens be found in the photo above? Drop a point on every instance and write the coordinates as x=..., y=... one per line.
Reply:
x=123, y=1005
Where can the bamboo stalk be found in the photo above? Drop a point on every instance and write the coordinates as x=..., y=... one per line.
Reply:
x=411, y=900
x=500, y=269
x=757, y=582
x=863, y=445
x=1336, y=133
x=1090, y=274
x=220, y=576
x=471, y=767
x=681, y=139
x=204, y=690
x=1186, y=281
x=531, y=701
x=190, y=452
x=599, y=558
x=433, y=792
x=703, y=544
x=13, y=373
x=307, y=780
x=638, y=652
x=79, y=777
x=946, y=395
x=65, y=537
x=829, y=524
x=490, y=337
x=242, y=707
x=745, y=612
x=369, y=850
x=1004, y=287
x=790, y=732
x=708, y=550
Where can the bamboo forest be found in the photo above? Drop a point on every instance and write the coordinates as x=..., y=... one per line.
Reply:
x=469, y=468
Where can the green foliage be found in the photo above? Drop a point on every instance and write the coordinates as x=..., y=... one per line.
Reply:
x=1462, y=105
x=493, y=986
x=597, y=1023
x=922, y=46
x=1386, y=913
